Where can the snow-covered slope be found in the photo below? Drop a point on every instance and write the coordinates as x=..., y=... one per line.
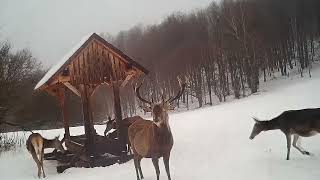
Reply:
x=212, y=142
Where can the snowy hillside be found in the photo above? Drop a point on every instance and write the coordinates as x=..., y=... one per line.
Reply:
x=212, y=143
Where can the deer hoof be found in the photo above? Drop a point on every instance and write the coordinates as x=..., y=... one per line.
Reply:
x=307, y=153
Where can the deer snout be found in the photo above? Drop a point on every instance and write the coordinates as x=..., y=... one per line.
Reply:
x=252, y=136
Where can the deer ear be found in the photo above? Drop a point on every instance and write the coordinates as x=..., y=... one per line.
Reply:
x=172, y=107
x=169, y=106
x=255, y=119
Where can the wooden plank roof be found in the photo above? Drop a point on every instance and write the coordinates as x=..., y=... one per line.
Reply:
x=66, y=60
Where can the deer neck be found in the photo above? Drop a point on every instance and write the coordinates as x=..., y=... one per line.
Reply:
x=164, y=123
x=48, y=143
x=271, y=125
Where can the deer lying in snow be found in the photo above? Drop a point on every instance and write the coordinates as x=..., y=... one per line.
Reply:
x=36, y=145
x=153, y=139
x=305, y=122
x=124, y=124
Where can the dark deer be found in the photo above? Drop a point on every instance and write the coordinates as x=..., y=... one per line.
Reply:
x=124, y=124
x=304, y=122
x=153, y=139
x=109, y=126
x=36, y=145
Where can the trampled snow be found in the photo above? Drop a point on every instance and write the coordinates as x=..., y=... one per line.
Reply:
x=211, y=143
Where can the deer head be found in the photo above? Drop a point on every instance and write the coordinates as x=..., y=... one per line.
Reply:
x=111, y=124
x=257, y=128
x=160, y=109
x=57, y=144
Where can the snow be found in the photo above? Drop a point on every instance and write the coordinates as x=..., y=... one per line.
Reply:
x=211, y=142
x=65, y=58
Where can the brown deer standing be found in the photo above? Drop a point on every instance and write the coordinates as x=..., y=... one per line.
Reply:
x=36, y=145
x=304, y=122
x=125, y=123
x=153, y=139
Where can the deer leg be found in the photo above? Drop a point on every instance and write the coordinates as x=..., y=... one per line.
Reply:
x=288, y=136
x=140, y=171
x=129, y=149
x=35, y=158
x=155, y=162
x=297, y=146
x=136, y=166
x=166, y=165
x=42, y=155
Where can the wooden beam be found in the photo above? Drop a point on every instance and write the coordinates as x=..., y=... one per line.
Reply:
x=64, y=113
x=72, y=88
x=87, y=118
x=117, y=104
x=62, y=78
x=118, y=116
x=94, y=88
x=106, y=83
x=51, y=92
x=115, y=54
x=74, y=147
x=126, y=80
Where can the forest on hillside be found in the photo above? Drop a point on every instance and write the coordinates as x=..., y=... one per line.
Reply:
x=222, y=51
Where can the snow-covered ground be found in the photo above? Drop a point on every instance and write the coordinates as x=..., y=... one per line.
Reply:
x=212, y=142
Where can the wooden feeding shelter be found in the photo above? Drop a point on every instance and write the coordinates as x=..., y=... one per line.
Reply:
x=89, y=64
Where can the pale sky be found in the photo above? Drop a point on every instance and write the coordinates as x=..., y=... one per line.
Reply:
x=50, y=28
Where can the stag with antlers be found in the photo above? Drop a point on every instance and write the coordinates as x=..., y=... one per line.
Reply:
x=153, y=139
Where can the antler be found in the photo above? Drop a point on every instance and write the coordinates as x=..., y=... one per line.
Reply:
x=182, y=88
x=136, y=89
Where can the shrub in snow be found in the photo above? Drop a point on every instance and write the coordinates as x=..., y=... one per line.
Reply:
x=11, y=141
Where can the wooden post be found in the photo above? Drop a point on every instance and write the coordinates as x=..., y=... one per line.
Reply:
x=118, y=114
x=87, y=118
x=64, y=113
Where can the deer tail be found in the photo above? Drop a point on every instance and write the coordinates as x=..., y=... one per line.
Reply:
x=37, y=145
